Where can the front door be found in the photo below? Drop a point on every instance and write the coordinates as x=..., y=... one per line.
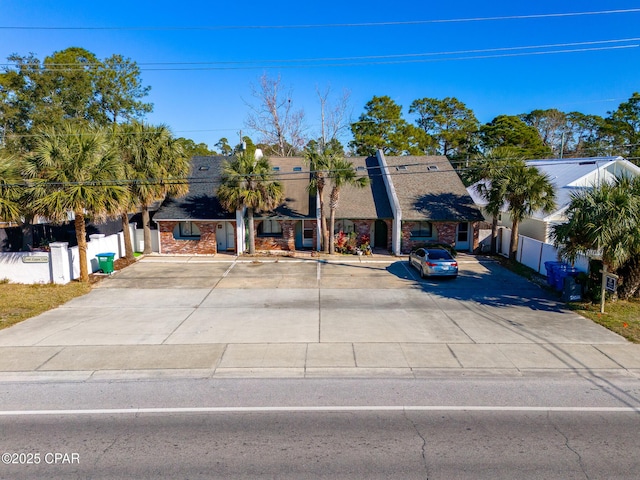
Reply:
x=307, y=233
x=380, y=234
x=462, y=236
x=225, y=237
x=231, y=238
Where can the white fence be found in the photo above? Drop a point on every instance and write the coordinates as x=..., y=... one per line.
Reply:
x=534, y=253
x=61, y=264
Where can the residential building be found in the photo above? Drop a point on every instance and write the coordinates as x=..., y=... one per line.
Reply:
x=569, y=176
x=407, y=201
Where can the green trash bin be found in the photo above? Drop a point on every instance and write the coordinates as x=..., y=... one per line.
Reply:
x=105, y=261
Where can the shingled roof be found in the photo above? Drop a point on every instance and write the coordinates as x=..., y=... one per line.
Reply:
x=200, y=203
x=369, y=202
x=428, y=188
x=293, y=174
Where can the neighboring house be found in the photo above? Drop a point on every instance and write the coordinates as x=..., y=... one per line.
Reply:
x=432, y=204
x=569, y=176
x=408, y=201
x=196, y=223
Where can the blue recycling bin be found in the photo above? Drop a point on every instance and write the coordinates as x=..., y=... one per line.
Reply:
x=563, y=271
x=551, y=272
x=105, y=261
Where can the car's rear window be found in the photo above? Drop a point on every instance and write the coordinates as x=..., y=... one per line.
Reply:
x=439, y=255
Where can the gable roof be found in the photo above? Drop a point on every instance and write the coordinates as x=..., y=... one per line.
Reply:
x=200, y=203
x=572, y=175
x=369, y=202
x=428, y=188
x=293, y=173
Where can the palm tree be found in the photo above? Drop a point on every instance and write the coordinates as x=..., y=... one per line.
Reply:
x=527, y=191
x=247, y=183
x=76, y=169
x=490, y=166
x=156, y=167
x=606, y=220
x=9, y=190
x=319, y=162
x=523, y=189
x=341, y=174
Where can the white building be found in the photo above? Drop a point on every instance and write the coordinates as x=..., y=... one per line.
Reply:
x=569, y=176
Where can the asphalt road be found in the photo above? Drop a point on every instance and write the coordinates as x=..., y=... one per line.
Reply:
x=441, y=428
x=349, y=444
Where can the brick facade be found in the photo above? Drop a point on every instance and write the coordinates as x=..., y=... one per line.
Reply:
x=363, y=228
x=286, y=242
x=441, y=233
x=446, y=232
x=206, y=245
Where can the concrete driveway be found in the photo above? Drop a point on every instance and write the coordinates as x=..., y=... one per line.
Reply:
x=304, y=317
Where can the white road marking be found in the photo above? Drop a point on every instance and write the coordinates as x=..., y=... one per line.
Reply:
x=228, y=270
x=320, y=409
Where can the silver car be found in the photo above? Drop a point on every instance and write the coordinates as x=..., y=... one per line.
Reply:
x=432, y=262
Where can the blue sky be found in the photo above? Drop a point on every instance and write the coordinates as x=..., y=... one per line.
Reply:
x=207, y=104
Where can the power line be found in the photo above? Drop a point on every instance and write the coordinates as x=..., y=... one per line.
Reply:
x=363, y=60
x=336, y=25
x=77, y=66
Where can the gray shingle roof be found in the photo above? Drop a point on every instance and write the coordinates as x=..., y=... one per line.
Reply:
x=369, y=202
x=428, y=188
x=293, y=173
x=200, y=203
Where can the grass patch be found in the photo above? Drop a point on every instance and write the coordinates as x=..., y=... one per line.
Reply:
x=621, y=317
x=19, y=302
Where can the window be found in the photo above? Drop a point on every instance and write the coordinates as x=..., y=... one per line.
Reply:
x=421, y=229
x=269, y=228
x=297, y=169
x=463, y=232
x=276, y=169
x=186, y=231
x=345, y=226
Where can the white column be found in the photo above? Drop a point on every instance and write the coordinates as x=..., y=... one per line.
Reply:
x=59, y=262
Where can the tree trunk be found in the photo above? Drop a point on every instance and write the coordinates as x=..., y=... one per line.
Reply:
x=332, y=240
x=252, y=232
x=81, y=237
x=333, y=205
x=494, y=235
x=513, y=248
x=630, y=273
x=126, y=232
x=26, y=227
x=146, y=226
x=323, y=220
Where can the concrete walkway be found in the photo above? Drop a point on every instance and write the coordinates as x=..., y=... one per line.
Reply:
x=307, y=317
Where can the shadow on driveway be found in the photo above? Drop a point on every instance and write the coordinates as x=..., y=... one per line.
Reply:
x=484, y=282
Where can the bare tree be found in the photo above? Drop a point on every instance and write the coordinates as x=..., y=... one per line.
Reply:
x=279, y=125
x=333, y=116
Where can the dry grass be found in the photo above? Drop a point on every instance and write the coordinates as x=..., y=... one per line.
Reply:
x=19, y=302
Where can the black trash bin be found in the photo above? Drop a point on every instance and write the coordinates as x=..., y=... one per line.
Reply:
x=572, y=291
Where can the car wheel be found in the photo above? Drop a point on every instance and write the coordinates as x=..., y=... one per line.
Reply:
x=422, y=275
